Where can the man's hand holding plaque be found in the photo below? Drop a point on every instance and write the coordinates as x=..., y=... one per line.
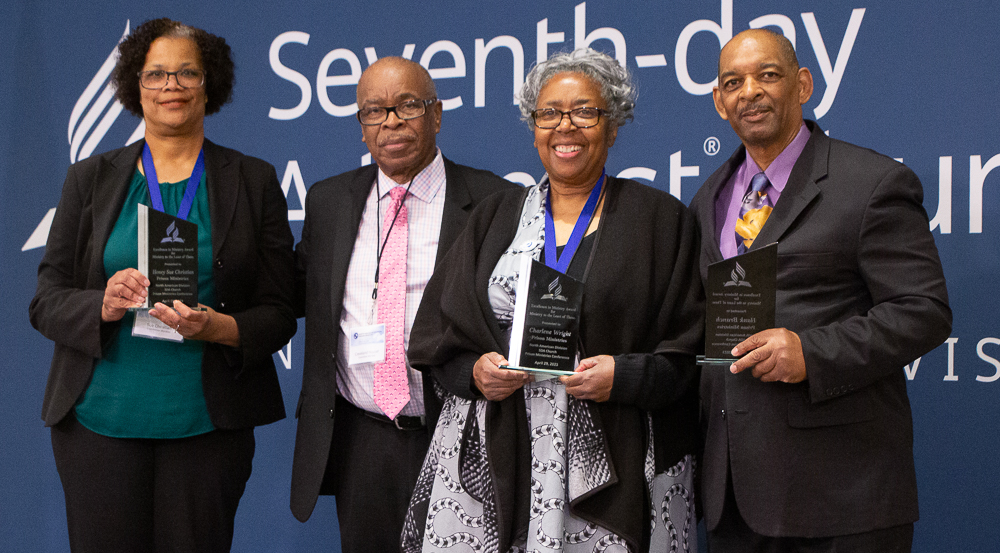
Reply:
x=740, y=297
x=773, y=355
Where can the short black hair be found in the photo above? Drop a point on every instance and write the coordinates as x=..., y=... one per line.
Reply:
x=216, y=59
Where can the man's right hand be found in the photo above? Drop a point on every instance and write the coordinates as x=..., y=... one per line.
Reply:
x=775, y=355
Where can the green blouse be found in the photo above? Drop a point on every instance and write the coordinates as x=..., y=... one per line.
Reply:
x=144, y=388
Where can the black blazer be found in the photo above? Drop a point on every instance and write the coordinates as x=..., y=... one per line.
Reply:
x=333, y=214
x=860, y=281
x=252, y=252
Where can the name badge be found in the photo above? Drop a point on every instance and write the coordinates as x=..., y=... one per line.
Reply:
x=366, y=344
x=148, y=326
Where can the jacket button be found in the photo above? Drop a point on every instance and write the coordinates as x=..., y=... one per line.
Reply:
x=723, y=414
x=222, y=305
x=218, y=263
x=331, y=413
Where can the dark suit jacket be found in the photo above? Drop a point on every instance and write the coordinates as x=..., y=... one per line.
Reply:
x=253, y=272
x=860, y=281
x=333, y=214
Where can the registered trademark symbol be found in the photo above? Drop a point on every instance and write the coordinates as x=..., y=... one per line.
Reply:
x=711, y=145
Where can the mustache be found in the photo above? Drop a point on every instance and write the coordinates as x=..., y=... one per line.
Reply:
x=755, y=106
x=384, y=139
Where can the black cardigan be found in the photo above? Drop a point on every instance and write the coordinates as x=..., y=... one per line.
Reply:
x=643, y=304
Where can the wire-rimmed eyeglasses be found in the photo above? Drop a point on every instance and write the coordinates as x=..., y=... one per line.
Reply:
x=156, y=79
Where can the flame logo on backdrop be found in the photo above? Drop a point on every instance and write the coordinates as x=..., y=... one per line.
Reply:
x=83, y=135
x=87, y=128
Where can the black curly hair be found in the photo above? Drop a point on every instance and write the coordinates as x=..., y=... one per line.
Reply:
x=216, y=59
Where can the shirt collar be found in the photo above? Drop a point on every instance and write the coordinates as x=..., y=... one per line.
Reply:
x=426, y=184
x=781, y=168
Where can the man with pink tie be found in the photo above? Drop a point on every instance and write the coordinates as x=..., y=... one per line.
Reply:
x=369, y=245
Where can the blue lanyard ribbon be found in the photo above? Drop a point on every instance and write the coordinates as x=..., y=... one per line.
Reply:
x=561, y=263
x=154, y=185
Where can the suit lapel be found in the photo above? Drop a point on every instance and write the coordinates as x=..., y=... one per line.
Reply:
x=713, y=187
x=110, y=188
x=800, y=190
x=456, y=204
x=223, y=181
x=350, y=215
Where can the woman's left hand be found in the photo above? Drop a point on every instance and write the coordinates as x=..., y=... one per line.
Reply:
x=206, y=324
x=186, y=321
x=593, y=378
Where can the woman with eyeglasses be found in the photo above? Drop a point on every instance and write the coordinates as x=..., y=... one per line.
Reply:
x=601, y=458
x=153, y=438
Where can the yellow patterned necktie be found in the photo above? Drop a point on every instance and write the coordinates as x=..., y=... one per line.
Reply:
x=754, y=211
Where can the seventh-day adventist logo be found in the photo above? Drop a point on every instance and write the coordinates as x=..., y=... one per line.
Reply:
x=95, y=111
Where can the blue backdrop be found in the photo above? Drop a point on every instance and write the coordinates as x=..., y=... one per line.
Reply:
x=915, y=80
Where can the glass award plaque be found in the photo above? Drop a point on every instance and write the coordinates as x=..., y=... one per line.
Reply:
x=546, y=327
x=168, y=256
x=739, y=295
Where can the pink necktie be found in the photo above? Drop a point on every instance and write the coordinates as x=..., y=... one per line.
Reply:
x=391, y=389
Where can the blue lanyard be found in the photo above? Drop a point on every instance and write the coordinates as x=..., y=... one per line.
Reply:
x=154, y=185
x=561, y=263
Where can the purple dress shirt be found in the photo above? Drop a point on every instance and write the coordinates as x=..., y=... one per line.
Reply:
x=727, y=204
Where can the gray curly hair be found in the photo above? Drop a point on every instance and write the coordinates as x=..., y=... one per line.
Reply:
x=615, y=82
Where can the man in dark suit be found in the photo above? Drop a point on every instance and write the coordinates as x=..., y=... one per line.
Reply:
x=349, y=442
x=808, y=435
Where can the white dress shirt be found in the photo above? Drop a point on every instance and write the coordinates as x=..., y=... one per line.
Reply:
x=425, y=210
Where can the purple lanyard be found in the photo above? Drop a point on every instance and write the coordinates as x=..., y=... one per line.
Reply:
x=154, y=185
x=561, y=263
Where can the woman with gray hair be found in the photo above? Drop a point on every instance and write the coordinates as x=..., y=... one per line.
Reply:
x=578, y=462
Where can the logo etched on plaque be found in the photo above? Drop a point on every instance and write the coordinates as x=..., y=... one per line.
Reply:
x=737, y=277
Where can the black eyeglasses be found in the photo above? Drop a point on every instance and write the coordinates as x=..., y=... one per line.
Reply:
x=581, y=118
x=410, y=109
x=158, y=78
